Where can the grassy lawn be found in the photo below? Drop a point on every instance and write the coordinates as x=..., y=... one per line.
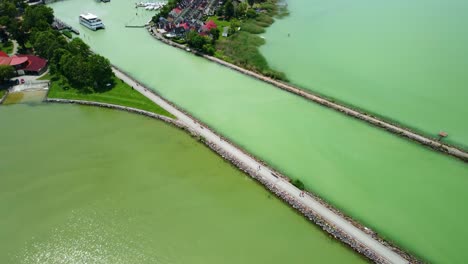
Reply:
x=6, y=47
x=121, y=94
x=220, y=23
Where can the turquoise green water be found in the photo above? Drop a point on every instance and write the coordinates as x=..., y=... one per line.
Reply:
x=86, y=185
x=390, y=184
x=405, y=60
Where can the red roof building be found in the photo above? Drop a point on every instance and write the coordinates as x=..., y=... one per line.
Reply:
x=5, y=60
x=35, y=64
x=3, y=54
x=177, y=10
x=184, y=25
x=18, y=61
x=209, y=25
x=25, y=64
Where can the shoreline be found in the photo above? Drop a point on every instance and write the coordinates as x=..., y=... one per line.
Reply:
x=396, y=129
x=4, y=97
x=115, y=107
x=315, y=209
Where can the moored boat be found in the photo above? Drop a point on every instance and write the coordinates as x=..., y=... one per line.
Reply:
x=91, y=21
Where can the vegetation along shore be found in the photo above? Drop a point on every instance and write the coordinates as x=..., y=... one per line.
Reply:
x=75, y=72
x=397, y=129
x=180, y=25
x=229, y=31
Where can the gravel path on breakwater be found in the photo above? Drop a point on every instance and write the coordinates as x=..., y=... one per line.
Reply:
x=396, y=129
x=331, y=220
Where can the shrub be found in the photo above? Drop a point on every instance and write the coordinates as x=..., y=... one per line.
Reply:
x=67, y=34
x=298, y=183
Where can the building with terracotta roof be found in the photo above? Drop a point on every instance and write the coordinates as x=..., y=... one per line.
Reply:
x=209, y=25
x=24, y=64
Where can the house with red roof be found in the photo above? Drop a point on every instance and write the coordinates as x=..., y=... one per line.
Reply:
x=175, y=12
x=209, y=25
x=184, y=25
x=24, y=64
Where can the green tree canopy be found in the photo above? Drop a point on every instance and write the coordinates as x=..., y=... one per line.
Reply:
x=77, y=70
x=7, y=10
x=241, y=9
x=6, y=72
x=251, y=13
x=101, y=71
x=215, y=34
x=195, y=40
x=78, y=47
x=37, y=17
x=228, y=9
x=208, y=49
x=46, y=42
x=84, y=70
x=16, y=30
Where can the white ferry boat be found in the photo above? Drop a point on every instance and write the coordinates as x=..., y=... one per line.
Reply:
x=91, y=21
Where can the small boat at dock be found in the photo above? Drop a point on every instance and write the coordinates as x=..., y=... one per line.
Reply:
x=150, y=5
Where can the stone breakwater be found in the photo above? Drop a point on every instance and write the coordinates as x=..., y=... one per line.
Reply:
x=302, y=208
x=117, y=107
x=375, y=121
x=291, y=200
x=311, y=215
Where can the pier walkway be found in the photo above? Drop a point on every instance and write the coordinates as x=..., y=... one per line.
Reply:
x=394, y=128
x=266, y=174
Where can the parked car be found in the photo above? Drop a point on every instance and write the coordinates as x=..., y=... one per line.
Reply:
x=21, y=81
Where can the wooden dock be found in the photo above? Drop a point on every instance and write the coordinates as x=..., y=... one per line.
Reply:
x=60, y=25
x=130, y=26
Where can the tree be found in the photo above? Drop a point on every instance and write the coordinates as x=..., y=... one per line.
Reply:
x=37, y=17
x=235, y=24
x=78, y=47
x=101, y=72
x=8, y=9
x=77, y=71
x=251, y=13
x=6, y=72
x=17, y=32
x=57, y=55
x=241, y=9
x=208, y=49
x=228, y=9
x=46, y=42
x=214, y=34
x=195, y=40
x=251, y=2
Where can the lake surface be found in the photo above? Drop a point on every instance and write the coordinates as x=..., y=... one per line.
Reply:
x=391, y=185
x=88, y=185
x=406, y=60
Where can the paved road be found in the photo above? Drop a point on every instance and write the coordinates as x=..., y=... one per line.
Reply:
x=265, y=172
x=15, y=48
